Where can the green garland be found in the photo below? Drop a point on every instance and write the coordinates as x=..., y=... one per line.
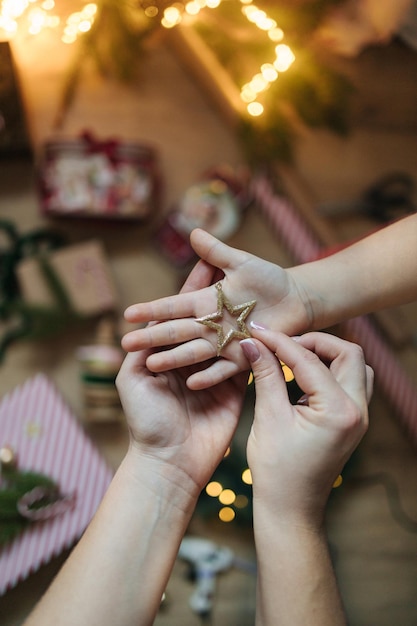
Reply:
x=14, y=485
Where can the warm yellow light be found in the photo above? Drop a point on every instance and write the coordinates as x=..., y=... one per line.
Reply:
x=8, y=26
x=266, y=23
x=214, y=489
x=248, y=94
x=288, y=373
x=338, y=481
x=226, y=514
x=247, y=476
x=258, y=83
x=68, y=39
x=172, y=17
x=285, y=57
x=151, y=11
x=84, y=26
x=227, y=496
x=269, y=72
x=213, y=4
x=276, y=34
x=90, y=9
x=48, y=5
x=192, y=8
x=248, y=9
x=255, y=109
x=71, y=31
x=227, y=452
x=256, y=16
x=13, y=8
x=74, y=18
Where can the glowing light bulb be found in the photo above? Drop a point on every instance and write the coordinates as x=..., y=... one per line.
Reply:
x=172, y=17
x=227, y=514
x=192, y=8
x=247, y=476
x=255, y=109
x=258, y=83
x=214, y=489
x=276, y=34
x=269, y=72
x=227, y=496
x=285, y=57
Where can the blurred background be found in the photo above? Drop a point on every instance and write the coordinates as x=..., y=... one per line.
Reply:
x=124, y=124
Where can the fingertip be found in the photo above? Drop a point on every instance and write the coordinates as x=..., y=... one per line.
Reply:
x=129, y=313
x=250, y=350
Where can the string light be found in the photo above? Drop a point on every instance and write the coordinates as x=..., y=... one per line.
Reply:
x=227, y=514
x=247, y=476
x=38, y=15
x=35, y=16
x=269, y=72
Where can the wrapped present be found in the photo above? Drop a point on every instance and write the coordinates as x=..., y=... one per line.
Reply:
x=87, y=177
x=39, y=426
x=83, y=272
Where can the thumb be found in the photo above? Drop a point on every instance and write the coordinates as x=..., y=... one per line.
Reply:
x=214, y=251
x=270, y=385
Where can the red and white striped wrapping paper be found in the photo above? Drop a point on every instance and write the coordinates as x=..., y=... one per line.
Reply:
x=303, y=245
x=37, y=423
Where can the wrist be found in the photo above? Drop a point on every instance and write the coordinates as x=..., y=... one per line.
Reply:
x=309, y=301
x=281, y=515
x=171, y=487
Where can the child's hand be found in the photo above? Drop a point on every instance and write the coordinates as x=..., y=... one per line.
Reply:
x=185, y=341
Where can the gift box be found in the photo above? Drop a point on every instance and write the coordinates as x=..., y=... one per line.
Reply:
x=39, y=426
x=88, y=177
x=83, y=273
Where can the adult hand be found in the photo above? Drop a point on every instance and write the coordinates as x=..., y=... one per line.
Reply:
x=186, y=342
x=185, y=432
x=296, y=452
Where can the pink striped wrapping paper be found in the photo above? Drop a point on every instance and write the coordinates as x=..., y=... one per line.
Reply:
x=303, y=245
x=37, y=423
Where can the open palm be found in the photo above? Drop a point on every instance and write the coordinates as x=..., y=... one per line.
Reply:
x=186, y=342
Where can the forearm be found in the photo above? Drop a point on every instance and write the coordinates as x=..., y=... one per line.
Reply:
x=296, y=580
x=118, y=571
x=377, y=272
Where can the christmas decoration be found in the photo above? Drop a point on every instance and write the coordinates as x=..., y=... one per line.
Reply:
x=239, y=311
x=38, y=425
x=262, y=60
x=100, y=364
x=228, y=495
x=26, y=497
x=214, y=203
x=83, y=272
x=101, y=179
x=46, y=285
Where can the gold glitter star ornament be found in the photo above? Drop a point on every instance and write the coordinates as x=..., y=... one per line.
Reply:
x=239, y=311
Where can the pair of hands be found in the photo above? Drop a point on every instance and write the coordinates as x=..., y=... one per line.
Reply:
x=280, y=306
x=294, y=452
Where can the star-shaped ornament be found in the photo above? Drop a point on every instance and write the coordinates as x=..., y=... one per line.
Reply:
x=239, y=311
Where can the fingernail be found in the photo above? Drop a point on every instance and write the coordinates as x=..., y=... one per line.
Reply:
x=257, y=326
x=250, y=350
x=296, y=338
